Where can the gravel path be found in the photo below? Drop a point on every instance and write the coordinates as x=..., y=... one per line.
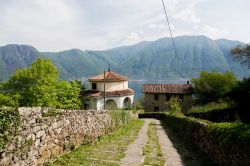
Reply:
x=170, y=154
x=134, y=152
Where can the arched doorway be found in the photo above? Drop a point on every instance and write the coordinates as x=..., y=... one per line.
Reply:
x=111, y=104
x=127, y=103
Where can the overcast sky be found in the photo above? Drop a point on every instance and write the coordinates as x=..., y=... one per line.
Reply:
x=55, y=25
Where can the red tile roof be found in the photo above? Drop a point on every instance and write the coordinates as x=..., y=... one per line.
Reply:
x=109, y=76
x=118, y=93
x=167, y=88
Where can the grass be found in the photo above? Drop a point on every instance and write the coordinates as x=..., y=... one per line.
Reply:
x=108, y=151
x=209, y=107
x=152, y=150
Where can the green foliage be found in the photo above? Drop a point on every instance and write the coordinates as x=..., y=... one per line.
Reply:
x=202, y=52
x=209, y=107
x=174, y=105
x=230, y=139
x=120, y=117
x=52, y=113
x=212, y=86
x=152, y=149
x=39, y=86
x=231, y=133
x=139, y=104
x=241, y=93
x=88, y=103
x=68, y=95
x=7, y=100
x=111, y=105
x=36, y=85
x=242, y=54
x=9, y=125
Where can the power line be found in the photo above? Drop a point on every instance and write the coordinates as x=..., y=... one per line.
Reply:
x=170, y=31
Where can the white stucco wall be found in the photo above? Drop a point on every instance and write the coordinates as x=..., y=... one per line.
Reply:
x=118, y=100
x=110, y=86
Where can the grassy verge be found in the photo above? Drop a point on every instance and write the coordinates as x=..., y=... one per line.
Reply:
x=209, y=107
x=108, y=151
x=151, y=150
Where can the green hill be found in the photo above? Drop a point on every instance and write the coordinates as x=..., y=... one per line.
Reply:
x=150, y=60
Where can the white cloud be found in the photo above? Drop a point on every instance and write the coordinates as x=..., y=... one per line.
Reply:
x=215, y=32
x=188, y=14
x=152, y=26
x=52, y=25
x=159, y=26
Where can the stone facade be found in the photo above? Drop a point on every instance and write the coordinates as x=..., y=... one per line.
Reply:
x=152, y=103
x=43, y=138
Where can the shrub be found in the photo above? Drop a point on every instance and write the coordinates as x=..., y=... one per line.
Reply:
x=120, y=117
x=174, y=105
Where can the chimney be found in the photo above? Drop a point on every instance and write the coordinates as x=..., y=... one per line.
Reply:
x=187, y=82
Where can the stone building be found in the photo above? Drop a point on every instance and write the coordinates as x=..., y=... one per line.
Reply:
x=114, y=87
x=156, y=96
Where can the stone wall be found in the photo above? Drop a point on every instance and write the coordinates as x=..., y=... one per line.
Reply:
x=42, y=138
x=225, y=143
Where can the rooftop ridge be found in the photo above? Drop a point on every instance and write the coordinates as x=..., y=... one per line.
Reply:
x=109, y=76
x=167, y=88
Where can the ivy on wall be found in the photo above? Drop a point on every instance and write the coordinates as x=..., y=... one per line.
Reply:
x=9, y=125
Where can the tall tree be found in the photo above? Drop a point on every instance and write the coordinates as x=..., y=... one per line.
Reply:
x=39, y=86
x=213, y=86
x=242, y=54
x=35, y=84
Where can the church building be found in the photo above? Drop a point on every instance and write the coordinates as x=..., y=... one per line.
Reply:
x=111, y=88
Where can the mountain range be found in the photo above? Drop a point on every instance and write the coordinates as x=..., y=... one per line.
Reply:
x=147, y=60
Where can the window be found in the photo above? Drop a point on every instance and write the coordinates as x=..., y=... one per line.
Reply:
x=156, y=97
x=93, y=86
x=181, y=96
x=168, y=97
x=156, y=109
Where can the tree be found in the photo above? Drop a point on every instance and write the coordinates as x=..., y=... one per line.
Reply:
x=36, y=85
x=39, y=86
x=212, y=86
x=68, y=94
x=240, y=94
x=242, y=54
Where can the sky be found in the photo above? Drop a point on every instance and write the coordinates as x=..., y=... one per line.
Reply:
x=56, y=25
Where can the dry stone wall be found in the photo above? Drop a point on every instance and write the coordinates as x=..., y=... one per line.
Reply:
x=42, y=138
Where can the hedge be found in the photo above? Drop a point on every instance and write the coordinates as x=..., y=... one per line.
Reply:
x=225, y=143
x=223, y=115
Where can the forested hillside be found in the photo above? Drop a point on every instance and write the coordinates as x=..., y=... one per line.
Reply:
x=150, y=60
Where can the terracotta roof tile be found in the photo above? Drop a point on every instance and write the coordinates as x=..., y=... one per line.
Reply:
x=109, y=76
x=167, y=88
x=118, y=93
